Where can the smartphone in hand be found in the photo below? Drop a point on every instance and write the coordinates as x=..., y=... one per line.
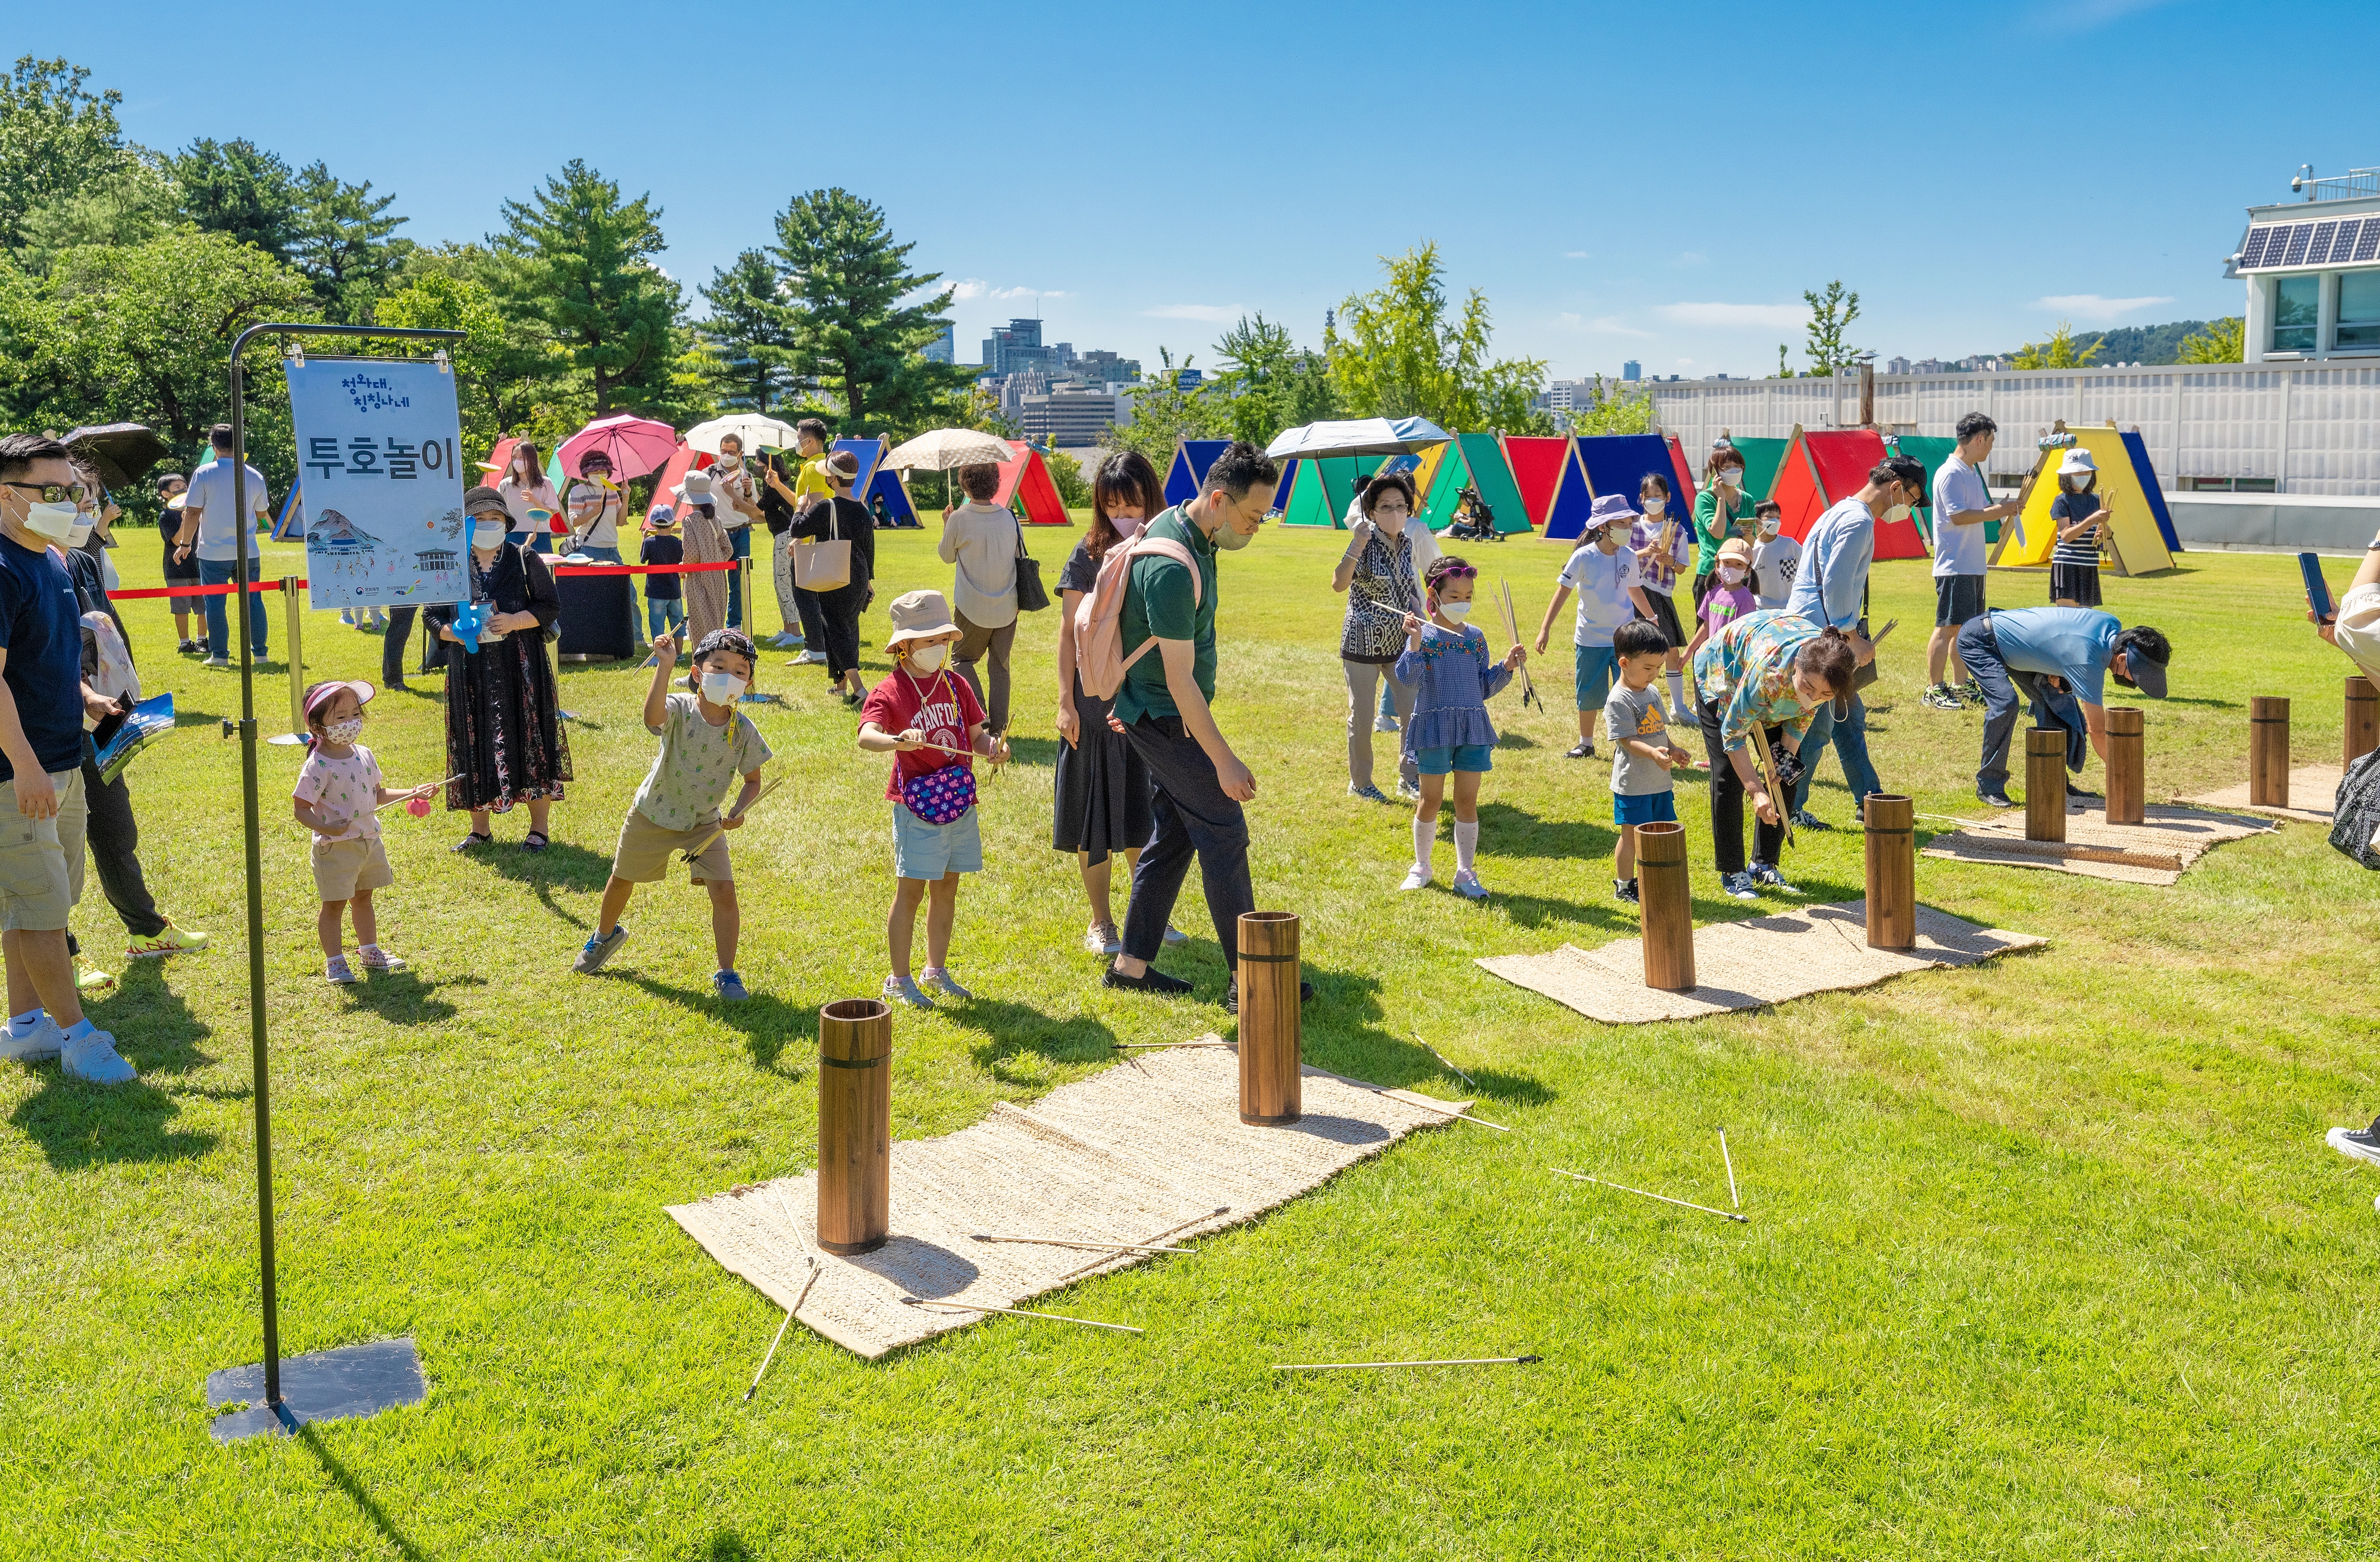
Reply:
x=2317, y=589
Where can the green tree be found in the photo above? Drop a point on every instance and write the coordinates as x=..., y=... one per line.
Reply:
x=575, y=263
x=1404, y=356
x=489, y=403
x=131, y=205
x=1164, y=410
x=1267, y=383
x=238, y=187
x=1073, y=489
x=57, y=138
x=845, y=280
x=2057, y=352
x=748, y=322
x=2223, y=341
x=1824, y=344
x=1613, y=409
x=340, y=237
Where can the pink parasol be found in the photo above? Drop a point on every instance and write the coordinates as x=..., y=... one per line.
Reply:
x=635, y=445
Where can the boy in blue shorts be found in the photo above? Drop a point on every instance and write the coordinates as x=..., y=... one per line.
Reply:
x=1642, y=754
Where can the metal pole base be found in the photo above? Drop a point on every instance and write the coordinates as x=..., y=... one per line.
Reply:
x=354, y=1380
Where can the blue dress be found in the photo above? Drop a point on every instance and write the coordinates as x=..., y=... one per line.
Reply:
x=1453, y=678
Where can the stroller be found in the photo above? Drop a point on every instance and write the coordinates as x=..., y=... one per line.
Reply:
x=1474, y=521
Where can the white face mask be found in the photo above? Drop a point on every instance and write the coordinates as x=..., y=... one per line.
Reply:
x=730, y=462
x=1898, y=514
x=488, y=536
x=1732, y=476
x=1729, y=574
x=722, y=689
x=1231, y=539
x=1391, y=524
x=52, y=522
x=930, y=659
x=81, y=533
x=1454, y=611
x=1655, y=505
x=1771, y=524
x=346, y=730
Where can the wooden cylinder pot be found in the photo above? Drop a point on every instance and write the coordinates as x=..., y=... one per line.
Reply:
x=2268, y=752
x=1667, y=906
x=2362, y=726
x=1892, y=871
x=854, y=1184
x=2126, y=765
x=1270, y=1094
x=2045, y=784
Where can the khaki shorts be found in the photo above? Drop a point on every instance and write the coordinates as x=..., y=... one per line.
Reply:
x=645, y=849
x=342, y=868
x=42, y=860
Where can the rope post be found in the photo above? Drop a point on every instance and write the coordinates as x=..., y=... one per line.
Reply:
x=292, y=612
x=2126, y=765
x=744, y=573
x=855, y=1183
x=1270, y=1094
x=1892, y=871
x=2044, y=783
x=2268, y=752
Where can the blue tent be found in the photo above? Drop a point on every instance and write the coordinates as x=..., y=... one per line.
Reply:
x=877, y=482
x=1566, y=517
x=2148, y=476
x=1620, y=463
x=1191, y=459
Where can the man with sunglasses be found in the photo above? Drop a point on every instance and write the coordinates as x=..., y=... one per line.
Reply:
x=44, y=812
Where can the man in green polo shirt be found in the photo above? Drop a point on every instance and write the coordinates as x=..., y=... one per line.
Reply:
x=1163, y=708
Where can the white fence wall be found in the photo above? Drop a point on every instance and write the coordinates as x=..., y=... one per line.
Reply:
x=2311, y=429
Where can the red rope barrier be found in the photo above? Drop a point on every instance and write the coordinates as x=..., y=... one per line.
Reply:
x=646, y=569
x=194, y=590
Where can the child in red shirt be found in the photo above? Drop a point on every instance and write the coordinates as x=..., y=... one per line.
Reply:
x=927, y=719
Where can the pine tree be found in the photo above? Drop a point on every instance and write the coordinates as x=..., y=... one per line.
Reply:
x=747, y=326
x=844, y=279
x=340, y=238
x=577, y=260
x=238, y=187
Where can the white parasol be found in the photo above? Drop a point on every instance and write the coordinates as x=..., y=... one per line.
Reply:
x=941, y=450
x=753, y=428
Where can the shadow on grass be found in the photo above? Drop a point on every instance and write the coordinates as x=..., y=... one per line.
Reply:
x=347, y=1482
x=151, y=1023
x=1412, y=1063
x=768, y=1023
x=1516, y=740
x=402, y=998
x=1506, y=831
x=728, y=1546
x=1015, y=1028
x=1541, y=911
x=78, y=1125
x=1033, y=751
x=560, y=868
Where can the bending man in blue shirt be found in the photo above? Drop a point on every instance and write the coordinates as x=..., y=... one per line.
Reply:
x=2054, y=655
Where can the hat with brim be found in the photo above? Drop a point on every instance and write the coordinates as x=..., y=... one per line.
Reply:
x=1612, y=507
x=1737, y=548
x=485, y=501
x=322, y=694
x=2143, y=674
x=920, y=615
x=2077, y=460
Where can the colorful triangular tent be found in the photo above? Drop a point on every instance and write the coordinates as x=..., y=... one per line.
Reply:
x=1301, y=500
x=2139, y=543
x=1573, y=500
x=1823, y=468
x=2139, y=449
x=1762, y=457
x=1191, y=459
x=1488, y=471
x=1024, y=478
x=1537, y=463
x=1930, y=452
x=1620, y=463
x=1683, y=487
x=878, y=483
x=290, y=524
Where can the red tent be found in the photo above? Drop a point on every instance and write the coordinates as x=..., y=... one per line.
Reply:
x=1823, y=468
x=1023, y=477
x=1537, y=461
x=1686, y=493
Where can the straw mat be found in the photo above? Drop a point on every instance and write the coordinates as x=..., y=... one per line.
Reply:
x=2183, y=833
x=2313, y=795
x=1151, y=1151
x=1751, y=964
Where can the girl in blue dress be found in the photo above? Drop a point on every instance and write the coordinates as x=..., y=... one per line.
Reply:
x=1447, y=663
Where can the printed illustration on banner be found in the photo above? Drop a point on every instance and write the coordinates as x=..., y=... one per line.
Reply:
x=377, y=443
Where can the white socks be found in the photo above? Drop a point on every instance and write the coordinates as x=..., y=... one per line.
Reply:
x=1677, y=696
x=22, y=1025
x=1466, y=840
x=1424, y=838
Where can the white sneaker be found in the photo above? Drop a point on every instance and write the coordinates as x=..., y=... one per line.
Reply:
x=902, y=990
x=1100, y=937
x=1384, y=723
x=336, y=972
x=937, y=980
x=37, y=1046
x=216, y=662
x=95, y=1059
x=809, y=659
x=1416, y=877
x=1467, y=885
x=1175, y=936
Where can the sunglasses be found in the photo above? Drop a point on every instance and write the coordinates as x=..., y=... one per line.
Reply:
x=52, y=493
x=1459, y=571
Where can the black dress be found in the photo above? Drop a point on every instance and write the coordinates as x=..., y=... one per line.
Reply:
x=840, y=610
x=504, y=740
x=1103, y=789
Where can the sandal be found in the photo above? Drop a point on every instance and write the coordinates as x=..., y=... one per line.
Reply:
x=534, y=840
x=474, y=839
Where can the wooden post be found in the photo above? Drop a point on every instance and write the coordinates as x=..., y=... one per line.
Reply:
x=2044, y=783
x=855, y=1184
x=1269, y=1090
x=2268, y=752
x=1667, y=906
x=1892, y=871
x=2127, y=766
x=2362, y=724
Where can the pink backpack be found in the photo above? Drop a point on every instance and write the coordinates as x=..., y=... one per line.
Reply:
x=1099, y=660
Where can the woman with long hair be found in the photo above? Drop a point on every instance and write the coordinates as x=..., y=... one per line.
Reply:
x=529, y=498
x=1769, y=671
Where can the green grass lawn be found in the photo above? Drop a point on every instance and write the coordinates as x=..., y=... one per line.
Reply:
x=2048, y=1258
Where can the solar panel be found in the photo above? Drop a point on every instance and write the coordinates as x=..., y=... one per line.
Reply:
x=2299, y=235
x=2368, y=246
x=2342, y=243
x=2319, y=250
x=2251, y=255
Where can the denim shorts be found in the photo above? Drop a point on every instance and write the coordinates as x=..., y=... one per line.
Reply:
x=929, y=851
x=1597, y=670
x=1645, y=807
x=1462, y=757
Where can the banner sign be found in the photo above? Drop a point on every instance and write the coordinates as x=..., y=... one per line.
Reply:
x=378, y=440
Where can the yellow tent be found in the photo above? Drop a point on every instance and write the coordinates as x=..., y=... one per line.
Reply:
x=2139, y=546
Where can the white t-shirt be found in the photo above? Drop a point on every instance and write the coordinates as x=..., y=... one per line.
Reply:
x=2357, y=630
x=211, y=492
x=1602, y=581
x=1959, y=550
x=1775, y=561
x=348, y=788
x=605, y=531
x=518, y=501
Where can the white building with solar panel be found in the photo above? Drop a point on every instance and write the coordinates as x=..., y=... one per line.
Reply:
x=2313, y=270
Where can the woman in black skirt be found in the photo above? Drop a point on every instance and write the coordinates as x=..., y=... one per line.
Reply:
x=1102, y=785
x=505, y=743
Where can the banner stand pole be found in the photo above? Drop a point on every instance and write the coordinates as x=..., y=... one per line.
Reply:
x=294, y=633
x=278, y=1396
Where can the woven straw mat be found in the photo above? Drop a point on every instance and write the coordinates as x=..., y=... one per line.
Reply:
x=2187, y=833
x=2314, y=797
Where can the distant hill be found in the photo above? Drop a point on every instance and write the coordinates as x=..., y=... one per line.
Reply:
x=2136, y=343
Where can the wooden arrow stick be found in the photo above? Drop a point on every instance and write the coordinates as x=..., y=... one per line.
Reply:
x=716, y=834
x=781, y=1331
x=1723, y=1215
x=1528, y=689
x=1731, y=1197
x=1443, y=1060
x=1098, y=1247
x=1021, y=1312
x=1453, y=1362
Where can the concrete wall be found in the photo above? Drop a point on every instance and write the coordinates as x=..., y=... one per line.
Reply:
x=2279, y=523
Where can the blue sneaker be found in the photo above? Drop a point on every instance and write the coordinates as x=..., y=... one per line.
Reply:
x=598, y=949
x=1368, y=792
x=729, y=987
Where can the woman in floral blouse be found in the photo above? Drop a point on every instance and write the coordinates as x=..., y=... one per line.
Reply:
x=1387, y=552
x=1770, y=670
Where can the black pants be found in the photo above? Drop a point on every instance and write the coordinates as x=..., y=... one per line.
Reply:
x=1727, y=800
x=1193, y=817
x=805, y=608
x=114, y=838
x=838, y=633
x=393, y=644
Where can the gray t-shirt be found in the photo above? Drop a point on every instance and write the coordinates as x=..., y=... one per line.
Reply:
x=1636, y=713
x=698, y=764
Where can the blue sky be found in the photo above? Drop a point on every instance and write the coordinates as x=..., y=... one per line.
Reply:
x=1651, y=181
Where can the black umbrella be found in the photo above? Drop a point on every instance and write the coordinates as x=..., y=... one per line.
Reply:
x=120, y=453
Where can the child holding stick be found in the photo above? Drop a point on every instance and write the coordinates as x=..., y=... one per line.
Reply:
x=706, y=743
x=1642, y=754
x=1447, y=663
x=338, y=792
x=929, y=722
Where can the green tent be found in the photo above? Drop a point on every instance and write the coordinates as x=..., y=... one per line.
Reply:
x=1445, y=495
x=1341, y=475
x=1307, y=506
x=1761, y=459
x=1483, y=466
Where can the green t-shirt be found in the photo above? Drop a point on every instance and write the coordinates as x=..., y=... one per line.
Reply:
x=1711, y=530
x=1158, y=602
